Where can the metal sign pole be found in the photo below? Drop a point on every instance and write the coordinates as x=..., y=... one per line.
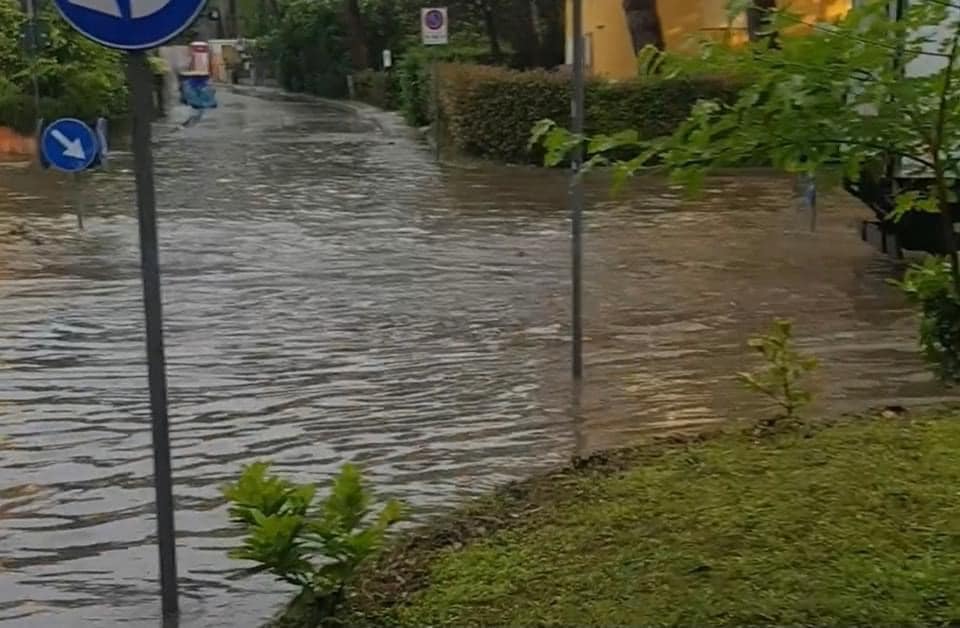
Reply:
x=143, y=26
x=141, y=105
x=576, y=190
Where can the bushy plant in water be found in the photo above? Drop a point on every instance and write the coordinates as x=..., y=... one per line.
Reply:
x=316, y=546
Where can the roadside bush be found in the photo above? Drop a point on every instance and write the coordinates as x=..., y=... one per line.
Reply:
x=930, y=286
x=781, y=380
x=310, y=49
x=75, y=76
x=316, y=547
x=380, y=89
x=413, y=74
x=18, y=111
x=490, y=111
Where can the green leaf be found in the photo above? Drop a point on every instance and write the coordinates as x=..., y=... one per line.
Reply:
x=605, y=143
x=318, y=551
x=540, y=131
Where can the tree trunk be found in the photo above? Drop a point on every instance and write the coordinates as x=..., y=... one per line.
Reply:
x=522, y=33
x=359, y=55
x=553, y=32
x=644, y=24
x=493, y=33
x=274, y=10
x=232, y=22
x=760, y=21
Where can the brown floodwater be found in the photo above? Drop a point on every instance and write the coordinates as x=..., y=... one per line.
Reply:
x=332, y=294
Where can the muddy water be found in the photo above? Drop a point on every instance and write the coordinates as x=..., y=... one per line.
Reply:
x=333, y=295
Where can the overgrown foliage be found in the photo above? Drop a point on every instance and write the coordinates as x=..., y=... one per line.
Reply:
x=529, y=32
x=315, y=547
x=415, y=77
x=930, y=286
x=866, y=96
x=781, y=379
x=836, y=97
x=309, y=46
x=489, y=111
x=75, y=77
x=381, y=89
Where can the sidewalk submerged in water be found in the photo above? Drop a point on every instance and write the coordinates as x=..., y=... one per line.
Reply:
x=856, y=522
x=390, y=123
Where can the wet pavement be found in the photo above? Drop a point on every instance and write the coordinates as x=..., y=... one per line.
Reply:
x=332, y=294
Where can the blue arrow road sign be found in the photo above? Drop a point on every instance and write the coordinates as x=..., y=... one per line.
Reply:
x=130, y=24
x=69, y=145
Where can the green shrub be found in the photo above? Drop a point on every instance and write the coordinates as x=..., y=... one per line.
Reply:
x=490, y=111
x=930, y=286
x=158, y=66
x=381, y=89
x=75, y=77
x=781, y=380
x=309, y=47
x=316, y=547
x=414, y=76
x=19, y=112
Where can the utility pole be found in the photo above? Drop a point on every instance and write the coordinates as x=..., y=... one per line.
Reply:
x=576, y=190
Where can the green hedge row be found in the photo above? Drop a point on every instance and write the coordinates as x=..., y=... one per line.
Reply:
x=490, y=111
x=414, y=75
x=18, y=112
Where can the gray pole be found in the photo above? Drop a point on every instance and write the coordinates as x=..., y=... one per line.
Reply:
x=435, y=106
x=141, y=104
x=576, y=190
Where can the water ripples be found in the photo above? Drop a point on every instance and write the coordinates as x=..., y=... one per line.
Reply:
x=331, y=295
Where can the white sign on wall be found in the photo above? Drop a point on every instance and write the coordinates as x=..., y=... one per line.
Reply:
x=434, y=26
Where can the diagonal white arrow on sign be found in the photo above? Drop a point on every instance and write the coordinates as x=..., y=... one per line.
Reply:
x=138, y=8
x=71, y=148
x=110, y=7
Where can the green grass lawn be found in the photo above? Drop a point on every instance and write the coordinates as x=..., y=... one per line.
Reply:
x=855, y=524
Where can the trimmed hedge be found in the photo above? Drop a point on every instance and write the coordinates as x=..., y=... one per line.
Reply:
x=489, y=111
x=19, y=113
x=414, y=76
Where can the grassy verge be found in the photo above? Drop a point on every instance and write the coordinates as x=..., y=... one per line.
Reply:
x=851, y=524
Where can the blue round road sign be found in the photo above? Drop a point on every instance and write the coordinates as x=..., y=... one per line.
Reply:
x=69, y=145
x=434, y=19
x=130, y=24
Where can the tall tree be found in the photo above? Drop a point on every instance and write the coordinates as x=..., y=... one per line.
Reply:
x=487, y=12
x=523, y=33
x=553, y=33
x=643, y=21
x=357, y=32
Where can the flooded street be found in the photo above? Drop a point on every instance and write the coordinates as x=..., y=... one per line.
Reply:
x=332, y=294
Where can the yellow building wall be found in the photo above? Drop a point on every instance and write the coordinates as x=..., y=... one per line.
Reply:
x=611, y=52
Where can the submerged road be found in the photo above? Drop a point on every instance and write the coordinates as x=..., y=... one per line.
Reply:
x=331, y=295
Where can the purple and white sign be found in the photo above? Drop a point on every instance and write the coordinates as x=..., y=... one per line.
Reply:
x=434, y=26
